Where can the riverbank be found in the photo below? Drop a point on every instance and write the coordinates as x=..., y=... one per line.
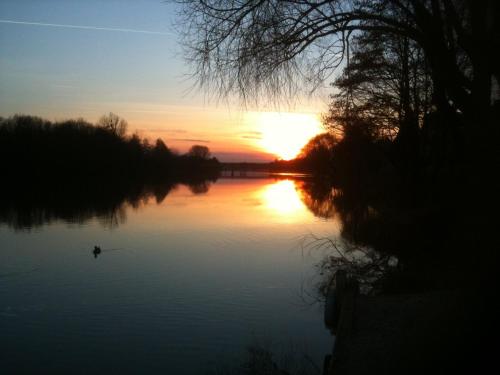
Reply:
x=445, y=331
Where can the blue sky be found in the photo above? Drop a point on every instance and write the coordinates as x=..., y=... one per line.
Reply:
x=57, y=70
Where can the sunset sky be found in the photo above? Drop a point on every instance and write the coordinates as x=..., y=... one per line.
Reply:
x=70, y=58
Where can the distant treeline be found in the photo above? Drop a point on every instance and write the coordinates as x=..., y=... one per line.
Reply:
x=35, y=148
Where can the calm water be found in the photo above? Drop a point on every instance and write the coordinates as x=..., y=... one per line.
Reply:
x=183, y=285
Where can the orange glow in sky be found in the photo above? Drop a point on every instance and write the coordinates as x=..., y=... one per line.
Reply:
x=284, y=133
x=226, y=133
x=231, y=136
x=134, y=71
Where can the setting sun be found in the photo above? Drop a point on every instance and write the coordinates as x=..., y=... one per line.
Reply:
x=284, y=134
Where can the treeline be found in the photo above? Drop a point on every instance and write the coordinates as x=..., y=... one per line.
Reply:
x=395, y=129
x=37, y=149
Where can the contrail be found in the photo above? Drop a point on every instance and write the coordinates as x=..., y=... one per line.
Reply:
x=86, y=27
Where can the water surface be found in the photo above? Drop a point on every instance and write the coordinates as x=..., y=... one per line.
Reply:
x=185, y=281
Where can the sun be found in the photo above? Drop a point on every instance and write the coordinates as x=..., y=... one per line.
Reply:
x=284, y=133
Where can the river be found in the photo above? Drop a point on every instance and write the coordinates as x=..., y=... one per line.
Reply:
x=185, y=281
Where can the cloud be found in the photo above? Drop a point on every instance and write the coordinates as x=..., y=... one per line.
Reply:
x=254, y=132
x=82, y=27
x=190, y=140
x=169, y=131
x=252, y=135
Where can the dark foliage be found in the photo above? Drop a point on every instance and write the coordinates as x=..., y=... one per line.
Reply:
x=77, y=201
x=38, y=150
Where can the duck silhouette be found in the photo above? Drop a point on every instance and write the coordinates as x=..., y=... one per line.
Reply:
x=97, y=250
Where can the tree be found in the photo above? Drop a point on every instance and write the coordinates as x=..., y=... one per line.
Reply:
x=251, y=47
x=317, y=153
x=161, y=156
x=385, y=84
x=161, y=147
x=321, y=142
x=200, y=152
x=113, y=123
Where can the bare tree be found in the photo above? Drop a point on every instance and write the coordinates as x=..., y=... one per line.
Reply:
x=113, y=123
x=276, y=46
x=197, y=151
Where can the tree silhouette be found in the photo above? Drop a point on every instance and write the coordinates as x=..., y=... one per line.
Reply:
x=270, y=46
x=317, y=154
x=385, y=83
x=33, y=148
x=200, y=152
x=115, y=124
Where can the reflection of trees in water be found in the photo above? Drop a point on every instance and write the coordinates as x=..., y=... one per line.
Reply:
x=358, y=217
x=369, y=244
x=359, y=214
x=114, y=218
x=277, y=358
x=160, y=191
x=318, y=197
x=200, y=187
x=24, y=207
x=368, y=266
x=432, y=246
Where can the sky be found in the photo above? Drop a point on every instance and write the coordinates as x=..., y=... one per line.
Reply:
x=64, y=59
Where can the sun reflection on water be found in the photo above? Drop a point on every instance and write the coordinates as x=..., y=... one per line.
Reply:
x=283, y=198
